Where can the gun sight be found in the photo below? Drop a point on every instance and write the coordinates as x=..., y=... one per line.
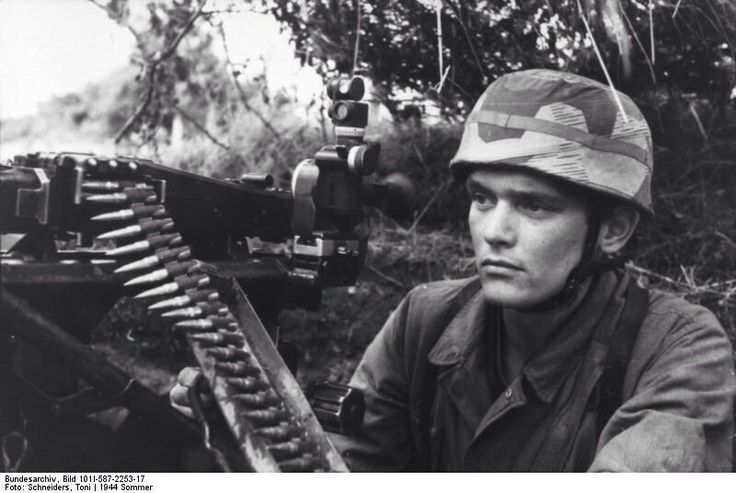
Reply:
x=343, y=88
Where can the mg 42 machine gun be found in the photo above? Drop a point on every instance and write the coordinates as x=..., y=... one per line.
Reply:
x=180, y=243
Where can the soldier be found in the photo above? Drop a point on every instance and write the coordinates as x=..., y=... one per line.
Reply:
x=551, y=358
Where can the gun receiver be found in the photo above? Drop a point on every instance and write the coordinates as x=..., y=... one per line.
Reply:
x=180, y=242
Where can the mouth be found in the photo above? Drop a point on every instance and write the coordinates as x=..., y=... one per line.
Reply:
x=499, y=265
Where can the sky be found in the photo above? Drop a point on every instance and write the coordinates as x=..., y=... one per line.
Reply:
x=53, y=47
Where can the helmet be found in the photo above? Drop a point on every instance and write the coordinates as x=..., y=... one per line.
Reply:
x=563, y=125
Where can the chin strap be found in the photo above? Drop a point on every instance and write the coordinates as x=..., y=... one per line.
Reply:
x=587, y=267
x=576, y=279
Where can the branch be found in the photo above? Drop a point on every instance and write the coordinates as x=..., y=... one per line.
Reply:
x=388, y=278
x=150, y=71
x=235, y=10
x=199, y=127
x=187, y=27
x=428, y=205
x=132, y=31
x=419, y=154
x=241, y=92
x=726, y=238
x=677, y=7
x=691, y=288
x=357, y=37
x=638, y=43
x=314, y=30
x=464, y=28
x=601, y=62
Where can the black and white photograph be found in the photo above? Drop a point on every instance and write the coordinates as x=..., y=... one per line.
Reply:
x=367, y=236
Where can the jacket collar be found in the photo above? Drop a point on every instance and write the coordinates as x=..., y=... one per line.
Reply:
x=546, y=371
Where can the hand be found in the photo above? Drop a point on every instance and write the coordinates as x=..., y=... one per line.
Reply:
x=179, y=393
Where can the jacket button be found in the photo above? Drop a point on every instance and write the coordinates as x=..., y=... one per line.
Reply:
x=508, y=394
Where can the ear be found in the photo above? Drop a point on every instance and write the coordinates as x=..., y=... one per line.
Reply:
x=617, y=229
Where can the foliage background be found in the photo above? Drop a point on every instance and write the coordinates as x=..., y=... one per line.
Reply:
x=181, y=102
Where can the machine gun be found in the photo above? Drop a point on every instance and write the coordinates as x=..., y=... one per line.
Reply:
x=183, y=244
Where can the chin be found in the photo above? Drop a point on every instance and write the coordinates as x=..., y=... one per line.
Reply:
x=503, y=294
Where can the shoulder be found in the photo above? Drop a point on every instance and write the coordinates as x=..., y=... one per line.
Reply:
x=670, y=317
x=678, y=392
x=431, y=303
x=408, y=333
x=669, y=305
x=424, y=306
x=678, y=334
x=424, y=312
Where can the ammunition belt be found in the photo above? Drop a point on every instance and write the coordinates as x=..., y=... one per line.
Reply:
x=271, y=437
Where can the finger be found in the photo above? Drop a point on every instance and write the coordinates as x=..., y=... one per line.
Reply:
x=178, y=400
x=186, y=411
x=188, y=375
x=178, y=396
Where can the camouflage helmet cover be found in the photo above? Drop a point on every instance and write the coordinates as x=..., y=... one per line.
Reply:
x=563, y=125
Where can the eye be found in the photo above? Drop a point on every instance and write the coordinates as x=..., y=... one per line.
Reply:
x=480, y=200
x=534, y=207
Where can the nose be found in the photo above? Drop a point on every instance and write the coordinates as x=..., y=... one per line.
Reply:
x=499, y=226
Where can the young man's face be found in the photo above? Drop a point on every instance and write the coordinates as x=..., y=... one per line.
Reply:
x=527, y=235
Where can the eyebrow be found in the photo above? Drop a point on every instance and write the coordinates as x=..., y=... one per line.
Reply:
x=552, y=199
x=473, y=185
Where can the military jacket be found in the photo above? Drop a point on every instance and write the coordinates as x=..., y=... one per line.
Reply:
x=677, y=403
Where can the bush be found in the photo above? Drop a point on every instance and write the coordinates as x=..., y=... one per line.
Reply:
x=423, y=152
x=247, y=145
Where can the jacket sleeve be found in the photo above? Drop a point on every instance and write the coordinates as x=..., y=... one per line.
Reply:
x=680, y=386
x=384, y=442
